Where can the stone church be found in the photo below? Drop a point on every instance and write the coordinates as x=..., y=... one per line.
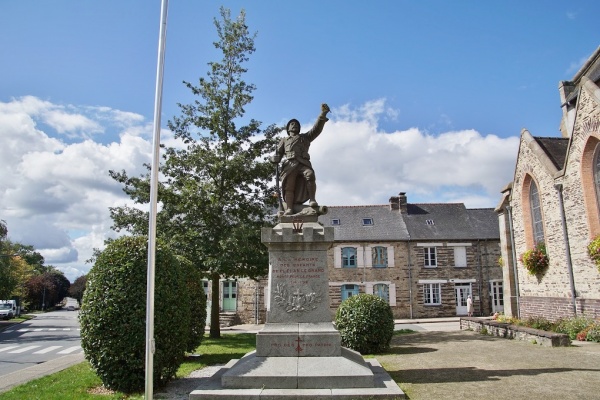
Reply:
x=554, y=199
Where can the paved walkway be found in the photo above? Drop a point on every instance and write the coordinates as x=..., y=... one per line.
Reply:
x=468, y=365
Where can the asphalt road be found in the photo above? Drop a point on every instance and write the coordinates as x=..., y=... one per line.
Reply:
x=47, y=337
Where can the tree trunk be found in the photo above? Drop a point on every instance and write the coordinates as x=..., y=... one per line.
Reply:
x=215, y=320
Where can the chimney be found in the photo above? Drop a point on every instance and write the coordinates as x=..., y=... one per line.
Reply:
x=394, y=203
x=399, y=202
x=402, y=203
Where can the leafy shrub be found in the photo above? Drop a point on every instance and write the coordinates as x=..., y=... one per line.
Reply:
x=572, y=326
x=365, y=323
x=539, y=323
x=593, y=332
x=113, y=315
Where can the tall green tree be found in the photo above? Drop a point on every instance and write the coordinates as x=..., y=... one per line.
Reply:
x=216, y=193
x=18, y=263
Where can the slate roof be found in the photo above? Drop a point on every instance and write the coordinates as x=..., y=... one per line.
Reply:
x=387, y=224
x=448, y=221
x=555, y=148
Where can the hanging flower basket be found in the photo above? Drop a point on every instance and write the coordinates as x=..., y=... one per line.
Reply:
x=536, y=260
x=594, y=251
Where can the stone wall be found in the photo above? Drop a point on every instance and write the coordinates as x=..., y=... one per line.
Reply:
x=247, y=301
x=508, y=331
x=550, y=295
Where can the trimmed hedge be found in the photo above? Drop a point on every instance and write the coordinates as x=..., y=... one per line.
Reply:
x=113, y=315
x=365, y=323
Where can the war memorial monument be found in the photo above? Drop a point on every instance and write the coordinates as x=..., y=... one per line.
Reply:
x=299, y=352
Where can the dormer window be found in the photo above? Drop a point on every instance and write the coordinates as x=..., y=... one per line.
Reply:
x=367, y=221
x=335, y=221
x=429, y=221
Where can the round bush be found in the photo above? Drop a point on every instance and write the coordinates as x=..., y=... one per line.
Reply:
x=365, y=323
x=113, y=315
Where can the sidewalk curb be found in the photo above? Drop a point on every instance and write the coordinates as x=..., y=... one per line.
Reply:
x=38, y=371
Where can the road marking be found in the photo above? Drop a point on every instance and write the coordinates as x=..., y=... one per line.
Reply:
x=52, y=329
x=38, y=329
x=69, y=350
x=47, y=350
x=23, y=350
x=8, y=348
x=24, y=330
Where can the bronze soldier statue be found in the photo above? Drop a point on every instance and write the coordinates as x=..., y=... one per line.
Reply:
x=297, y=175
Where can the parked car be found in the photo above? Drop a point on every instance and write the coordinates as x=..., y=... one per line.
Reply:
x=6, y=311
x=71, y=308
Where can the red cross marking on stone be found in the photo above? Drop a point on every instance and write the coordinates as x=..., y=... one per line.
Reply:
x=298, y=348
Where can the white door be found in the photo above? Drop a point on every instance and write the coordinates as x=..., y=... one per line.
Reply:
x=463, y=290
x=497, y=296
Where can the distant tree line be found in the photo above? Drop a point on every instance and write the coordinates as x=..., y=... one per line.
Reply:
x=24, y=276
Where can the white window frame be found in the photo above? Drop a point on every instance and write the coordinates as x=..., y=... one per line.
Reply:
x=427, y=257
x=429, y=292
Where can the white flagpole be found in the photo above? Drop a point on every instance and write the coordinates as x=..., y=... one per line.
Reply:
x=153, y=203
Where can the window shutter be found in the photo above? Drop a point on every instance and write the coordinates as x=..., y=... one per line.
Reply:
x=337, y=257
x=369, y=288
x=368, y=257
x=360, y=262
x=460, y=257
x=390, y=256
x=392, y=294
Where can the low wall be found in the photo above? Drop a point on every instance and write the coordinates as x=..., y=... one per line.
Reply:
x=505, y=330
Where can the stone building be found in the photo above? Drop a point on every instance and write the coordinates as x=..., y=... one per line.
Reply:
x=554, y=199
x=423, y=259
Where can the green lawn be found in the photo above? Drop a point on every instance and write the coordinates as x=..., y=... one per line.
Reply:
x=76, y=382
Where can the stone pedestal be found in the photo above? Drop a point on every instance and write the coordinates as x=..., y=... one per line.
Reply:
x=299, y=353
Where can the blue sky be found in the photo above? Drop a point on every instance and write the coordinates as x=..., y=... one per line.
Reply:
x=428, y=97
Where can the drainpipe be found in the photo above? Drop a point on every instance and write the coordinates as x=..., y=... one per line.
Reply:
x=256, y=289
x=514, y=258
x=410, y=297
x=480, y=280
x=559, y=189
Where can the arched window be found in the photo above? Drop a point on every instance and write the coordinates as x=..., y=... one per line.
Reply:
x=590, y=182
x=536, y=213
x=349, y=257
x=597, y=174
x=382, y=290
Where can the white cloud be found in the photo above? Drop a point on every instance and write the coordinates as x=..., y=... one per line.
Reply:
x=55, y=195
x=356, y=163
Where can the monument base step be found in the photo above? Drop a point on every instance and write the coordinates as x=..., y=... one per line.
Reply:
x=383, y=387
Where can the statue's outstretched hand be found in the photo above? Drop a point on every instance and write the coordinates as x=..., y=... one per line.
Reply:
x=324, y=109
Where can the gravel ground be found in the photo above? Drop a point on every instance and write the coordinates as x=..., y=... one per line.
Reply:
x=468, y=365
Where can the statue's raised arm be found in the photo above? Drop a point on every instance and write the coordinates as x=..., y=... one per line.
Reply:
x=298, y=183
